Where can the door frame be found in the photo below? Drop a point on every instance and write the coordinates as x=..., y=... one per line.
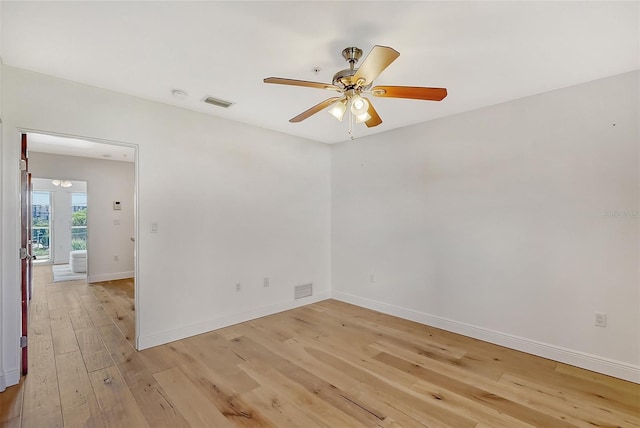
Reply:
x=26, y=261
x=136, y=192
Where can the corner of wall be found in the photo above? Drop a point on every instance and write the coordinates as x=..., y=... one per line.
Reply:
x=3, y=383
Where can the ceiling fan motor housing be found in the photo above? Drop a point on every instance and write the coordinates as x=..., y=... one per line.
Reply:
x=344, y=78
x=352, y=55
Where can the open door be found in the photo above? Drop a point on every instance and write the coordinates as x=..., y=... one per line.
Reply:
x=25, y=247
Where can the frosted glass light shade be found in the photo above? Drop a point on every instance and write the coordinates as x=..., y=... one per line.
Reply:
x=363, y=117
x=359, y=105
x=338, y=109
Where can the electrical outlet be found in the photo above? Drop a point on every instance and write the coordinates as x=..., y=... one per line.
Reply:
x=601, y=319
x=115, y=258
x=237, y=287
x=266, y=281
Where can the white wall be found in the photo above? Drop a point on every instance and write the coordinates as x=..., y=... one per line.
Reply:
x=107, y=181
x=3, y=329
x=233, y=204
x=495, y=223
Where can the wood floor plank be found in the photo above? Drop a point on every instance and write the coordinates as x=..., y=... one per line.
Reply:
x=197, y=410
x=572, y=407
x=12, y=423
x=116, y=313
x=279, y=410
x=151, y=399
x=118, y=407
x=224, y=397
x=493, y=418
x=80, y=319
x=122, y=292
x=41, y=407
x=489, y=399
x=164, y=357
x=603, y=395
x=226, y=363
x=358, y=392
x=64, y=338
x=477, y=410
x=70, y=297
x=94, y=353
x=78, y=401
x=95, y=310
x=625, y=388
x=426, y=410
x=340, y=400
x=302, y=398
x=11, y=403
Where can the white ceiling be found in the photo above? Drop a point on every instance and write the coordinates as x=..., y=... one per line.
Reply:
x=483, y=52
x=76, y=147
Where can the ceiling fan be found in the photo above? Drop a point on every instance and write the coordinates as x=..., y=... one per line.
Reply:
x=352, y=82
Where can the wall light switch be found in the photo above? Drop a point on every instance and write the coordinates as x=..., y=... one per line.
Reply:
x=117, y=206
x=154, y=227
x=600, y=319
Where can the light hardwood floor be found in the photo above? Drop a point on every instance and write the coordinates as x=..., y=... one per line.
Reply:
x=329, y=364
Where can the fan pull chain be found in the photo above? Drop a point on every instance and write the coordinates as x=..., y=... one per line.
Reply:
x=351, y=125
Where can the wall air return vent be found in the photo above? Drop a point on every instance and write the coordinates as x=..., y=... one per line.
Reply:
x=304, y=290
x=217, y=102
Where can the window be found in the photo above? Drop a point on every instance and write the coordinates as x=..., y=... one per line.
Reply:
x=41, y=225
x=79, y=221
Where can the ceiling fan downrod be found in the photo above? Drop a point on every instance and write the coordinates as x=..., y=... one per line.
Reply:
x=352, y=55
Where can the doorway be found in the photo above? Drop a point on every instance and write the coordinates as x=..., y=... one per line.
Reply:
x=100, y=218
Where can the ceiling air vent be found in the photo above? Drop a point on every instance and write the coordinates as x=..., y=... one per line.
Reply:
x=217, y=102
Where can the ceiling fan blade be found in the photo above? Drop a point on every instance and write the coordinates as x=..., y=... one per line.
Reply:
x=378, y=59
x=375, y=118
x=315, y=109
x=293, y=82
x=413, y=92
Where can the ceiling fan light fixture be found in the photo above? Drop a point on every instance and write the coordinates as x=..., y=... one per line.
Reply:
x=61, y=183
x=338, y=109
x=359, y=105
x=352, y=82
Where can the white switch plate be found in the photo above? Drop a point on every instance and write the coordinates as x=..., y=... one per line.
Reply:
x=600, y=319
x=154, y=227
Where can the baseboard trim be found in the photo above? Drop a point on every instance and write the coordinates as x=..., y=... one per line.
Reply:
x=9, y=378
x=225, y=321
x=110, y=276
x=568, y=356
